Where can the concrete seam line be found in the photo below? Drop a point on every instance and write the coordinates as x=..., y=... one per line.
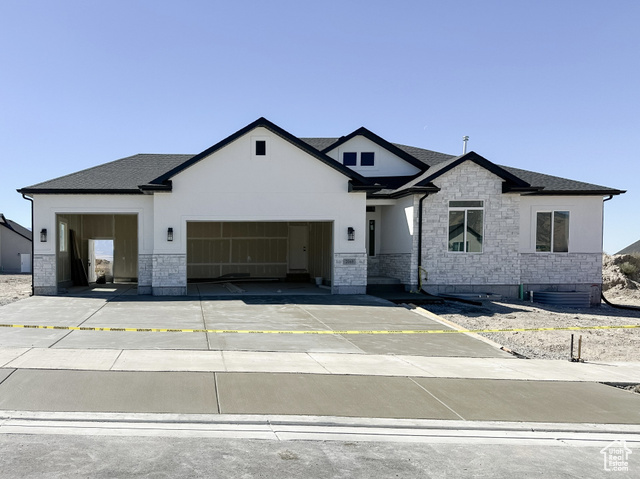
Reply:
x=435, y=397
x=17, y=357
x=446, y=322
x=116, y=360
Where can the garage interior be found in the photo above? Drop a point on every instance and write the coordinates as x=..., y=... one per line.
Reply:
x=75, y=253
x=259, y=250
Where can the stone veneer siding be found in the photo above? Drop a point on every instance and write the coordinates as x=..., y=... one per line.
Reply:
x=396, y=265
x=169, y=274
x=145, y=271
x=349, y=278
x=561, y=268
x=499, y=262
x=45, y=282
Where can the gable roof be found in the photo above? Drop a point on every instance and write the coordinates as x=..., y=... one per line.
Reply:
x=264, y=123
x=144, y=173
x=15, y=227
x=124, y=176
x=425, y=180
x=632, y=248
x=555, y=185
x=362, y=131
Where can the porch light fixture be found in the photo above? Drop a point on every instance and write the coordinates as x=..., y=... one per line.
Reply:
x=351, y=233
x=43, y=235
x=170, y=234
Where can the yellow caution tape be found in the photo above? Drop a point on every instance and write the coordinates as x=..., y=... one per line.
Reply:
x=253, y=331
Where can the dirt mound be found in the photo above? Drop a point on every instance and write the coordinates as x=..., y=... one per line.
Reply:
x=621, y=278
x=621, y=271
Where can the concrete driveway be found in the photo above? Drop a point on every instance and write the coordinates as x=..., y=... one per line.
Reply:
x=118, y=307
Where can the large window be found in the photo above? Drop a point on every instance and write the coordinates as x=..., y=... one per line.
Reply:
x=466, y=226
x=552, y=231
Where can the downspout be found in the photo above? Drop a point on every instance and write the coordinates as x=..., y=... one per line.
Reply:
x=33, y=238
x=420, y=242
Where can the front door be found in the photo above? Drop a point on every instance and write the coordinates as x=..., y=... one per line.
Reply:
x=298, y=246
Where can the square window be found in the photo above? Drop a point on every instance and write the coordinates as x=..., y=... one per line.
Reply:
x=349, y=158
x=367, y=158
x=261, y=148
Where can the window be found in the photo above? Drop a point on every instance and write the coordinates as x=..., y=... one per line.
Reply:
x=349, y=158
x=62, y=240
x=466, y=226
x=366, y=158
x=261, y=148
x=552, y=231
x=372, y=237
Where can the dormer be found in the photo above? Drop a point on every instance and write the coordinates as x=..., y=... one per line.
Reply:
x=369, y=155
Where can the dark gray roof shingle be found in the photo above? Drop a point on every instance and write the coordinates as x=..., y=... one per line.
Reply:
x=632, y=248
x=124, y=175
x=127, y=174
x=553, y=184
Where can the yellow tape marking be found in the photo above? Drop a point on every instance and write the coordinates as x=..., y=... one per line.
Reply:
x=252, y=331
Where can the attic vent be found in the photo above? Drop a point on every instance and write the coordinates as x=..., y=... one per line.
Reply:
x=261, y=148
x=371, y=209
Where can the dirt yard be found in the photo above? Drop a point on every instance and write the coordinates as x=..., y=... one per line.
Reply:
x=597, y=345
x=14, y=287
x=620, y=285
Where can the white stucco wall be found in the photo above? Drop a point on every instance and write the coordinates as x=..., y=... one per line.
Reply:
x=45, y=208
x=232, y=184
x=385, y=163
x=396, y=226
x=585, y=221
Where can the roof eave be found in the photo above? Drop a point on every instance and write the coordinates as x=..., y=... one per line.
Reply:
x=511, y=188
x=362, y=131
x=79, y=191
x=577, y=193
x=415, y=190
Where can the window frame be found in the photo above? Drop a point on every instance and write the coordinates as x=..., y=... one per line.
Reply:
x=63, y=237
x=552, y=212
x=465, y=223
x=355, y=158
x=373, y=159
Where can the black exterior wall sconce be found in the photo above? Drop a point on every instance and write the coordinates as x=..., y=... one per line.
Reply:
x=43, y=235
x=170, y=234
x=351, y=233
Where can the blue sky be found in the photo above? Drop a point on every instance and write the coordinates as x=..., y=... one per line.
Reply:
x=550, y=86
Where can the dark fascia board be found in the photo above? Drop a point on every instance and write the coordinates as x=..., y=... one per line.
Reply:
x=362, y=131
x=263, y=122
x=414, y=190
x=511, y=179
x=577, y=193
x=368, y=188
x=509, y=188
x=166, y=186
x=66, y=191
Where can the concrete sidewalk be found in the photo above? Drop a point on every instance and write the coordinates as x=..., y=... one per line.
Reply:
x=317, y=363
x=316, y=395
